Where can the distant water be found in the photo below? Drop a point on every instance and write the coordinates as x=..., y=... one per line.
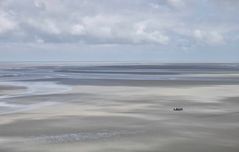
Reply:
x=123, y=72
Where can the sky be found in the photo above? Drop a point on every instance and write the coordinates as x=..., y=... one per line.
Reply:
x=119, y=30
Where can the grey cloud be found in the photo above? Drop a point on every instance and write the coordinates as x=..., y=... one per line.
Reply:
x=109, y=22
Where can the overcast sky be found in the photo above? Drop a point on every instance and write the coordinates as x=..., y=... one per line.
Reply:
x=119, y=30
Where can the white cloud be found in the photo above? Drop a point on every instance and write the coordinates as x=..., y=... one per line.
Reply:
x=78, y=29
x=6, y=24
x=39, y=40
x=39, y=4
x=115, y=21
x=198, y=34
x=101, y=25
x=177, y=3
x=141, y=35
x=216, y=38
x=45, y=25
x=210, y=37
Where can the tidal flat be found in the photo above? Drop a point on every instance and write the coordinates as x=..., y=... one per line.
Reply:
x=119, y=108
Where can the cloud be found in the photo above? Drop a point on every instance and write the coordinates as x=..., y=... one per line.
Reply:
x=44, y=25
x=157, y=22
x=78, y=29
x=6, y=24
x=210, y=37
x=177, y=3
x=155, y=36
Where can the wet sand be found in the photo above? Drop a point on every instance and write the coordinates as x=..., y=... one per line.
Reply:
x=8, y=89
x=126, y=119
x=122, y=118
